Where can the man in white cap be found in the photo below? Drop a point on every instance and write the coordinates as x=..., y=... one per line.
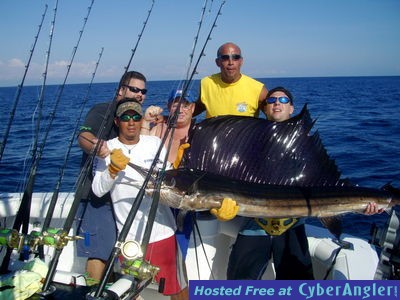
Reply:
x=112, y=175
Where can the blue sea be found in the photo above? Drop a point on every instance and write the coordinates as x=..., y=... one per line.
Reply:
x=356, y=117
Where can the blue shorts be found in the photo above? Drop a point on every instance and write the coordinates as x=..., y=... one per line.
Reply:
x=96, y=223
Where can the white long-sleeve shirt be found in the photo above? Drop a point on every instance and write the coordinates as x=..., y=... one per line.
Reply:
x=126, y=185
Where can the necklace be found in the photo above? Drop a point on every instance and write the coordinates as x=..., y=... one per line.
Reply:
x=129, y=148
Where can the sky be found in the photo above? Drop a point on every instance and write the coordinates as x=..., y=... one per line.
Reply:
x=285, y=38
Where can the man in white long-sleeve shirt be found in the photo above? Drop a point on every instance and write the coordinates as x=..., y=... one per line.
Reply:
x=124, y=183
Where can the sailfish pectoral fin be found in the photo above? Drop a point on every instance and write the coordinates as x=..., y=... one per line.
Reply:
x=194, y=187
x=180, y=219
x=142, y=171
x=333, y=224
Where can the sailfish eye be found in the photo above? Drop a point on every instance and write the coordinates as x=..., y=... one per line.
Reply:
x=170, y=182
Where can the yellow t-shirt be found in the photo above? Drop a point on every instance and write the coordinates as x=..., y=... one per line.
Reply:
x=239, y=98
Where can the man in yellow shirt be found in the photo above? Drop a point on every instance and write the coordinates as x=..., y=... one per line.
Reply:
x=226, y=93
x=230, y=92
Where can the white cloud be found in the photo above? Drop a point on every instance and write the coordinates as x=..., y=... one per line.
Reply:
x=12, y=70
x=15, y=63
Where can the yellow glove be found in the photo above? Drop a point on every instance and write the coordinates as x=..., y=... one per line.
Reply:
x=118, y=162
x=227, y=211
x=179, y=155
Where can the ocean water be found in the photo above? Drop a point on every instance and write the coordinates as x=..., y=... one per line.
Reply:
x=356, y=117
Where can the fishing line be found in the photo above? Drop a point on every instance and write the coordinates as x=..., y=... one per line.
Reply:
x=19, y=89
x=333, y=262
x=196, y=226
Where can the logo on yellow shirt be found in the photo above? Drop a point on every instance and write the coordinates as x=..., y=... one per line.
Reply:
x=241, y=107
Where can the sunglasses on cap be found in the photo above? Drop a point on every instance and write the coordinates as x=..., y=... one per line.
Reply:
x=126, y=118
x=283, y=100
x=225, y=57
x=134, y=89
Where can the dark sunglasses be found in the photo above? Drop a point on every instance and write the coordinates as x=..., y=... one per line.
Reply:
x=225, y=57
x=126, y=118
x=134, y=89
x=272, y=100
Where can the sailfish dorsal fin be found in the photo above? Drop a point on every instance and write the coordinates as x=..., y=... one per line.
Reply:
x=257, y=150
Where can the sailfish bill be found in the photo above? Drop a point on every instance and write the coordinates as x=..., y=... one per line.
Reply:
x=196, y=190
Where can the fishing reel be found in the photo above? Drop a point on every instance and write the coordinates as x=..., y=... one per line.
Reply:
x=51, y=237
x=133, y=263
x=389, y=239
x=11, y=238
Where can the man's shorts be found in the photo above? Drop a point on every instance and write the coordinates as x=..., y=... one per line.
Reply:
x=166, y=255
x=96, y=224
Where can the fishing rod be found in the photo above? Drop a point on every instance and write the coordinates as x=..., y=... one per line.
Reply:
x=41, y=96
x=81, y=188
x=171, y=127
x=187, y=83
x=172, y=118
x=128, y=222
x=154, y=205
x=196, y=37
x=140, y=36
x=110, y=107
x=19, y=89
x=56, y=191
x=23, y=214
x=139, y=198
x=23, y=208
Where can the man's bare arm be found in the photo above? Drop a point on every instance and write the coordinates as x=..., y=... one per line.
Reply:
x=87, y=141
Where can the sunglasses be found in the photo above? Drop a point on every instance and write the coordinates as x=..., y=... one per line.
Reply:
x=283, y=100
x=226, y=57
x=126, y=118
x=134, y=89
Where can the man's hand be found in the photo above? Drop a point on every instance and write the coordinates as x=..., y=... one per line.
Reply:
x=118, y=162
x=372, y=209
x=179, y=155
x=227, y=211
x=103, y=150
x=87, y=141
x=153, y=115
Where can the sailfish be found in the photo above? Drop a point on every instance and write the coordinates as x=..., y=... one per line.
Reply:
x=271, y=169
